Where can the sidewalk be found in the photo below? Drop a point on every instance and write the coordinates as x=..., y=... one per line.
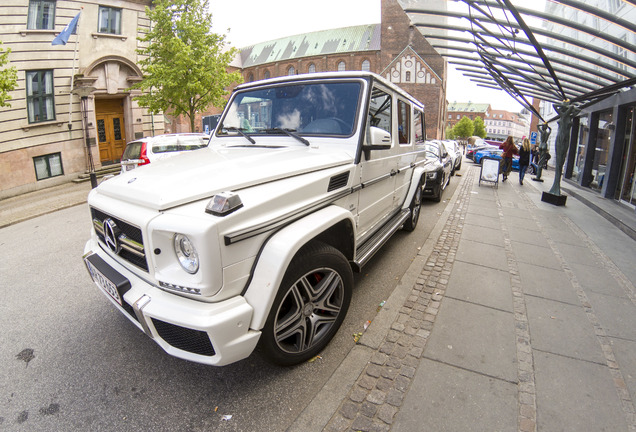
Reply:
x=516, y=316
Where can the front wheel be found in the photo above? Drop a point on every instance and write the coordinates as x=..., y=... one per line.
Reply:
x=310, y=305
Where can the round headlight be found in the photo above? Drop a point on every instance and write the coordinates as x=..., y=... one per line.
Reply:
x=186, y=253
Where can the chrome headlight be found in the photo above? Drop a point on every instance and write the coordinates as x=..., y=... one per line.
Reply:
x=187, y=254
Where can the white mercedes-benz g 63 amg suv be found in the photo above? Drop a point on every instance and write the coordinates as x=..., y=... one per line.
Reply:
x=253, y=240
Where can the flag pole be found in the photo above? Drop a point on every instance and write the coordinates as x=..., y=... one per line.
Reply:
x=70, y=95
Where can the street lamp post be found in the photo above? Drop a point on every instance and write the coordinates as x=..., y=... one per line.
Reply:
x=83, y=93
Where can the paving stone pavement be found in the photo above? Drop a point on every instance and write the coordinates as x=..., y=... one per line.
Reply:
x=518, y=320
x=377, y=395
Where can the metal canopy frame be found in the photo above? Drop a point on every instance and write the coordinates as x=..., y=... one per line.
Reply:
x=570, y=54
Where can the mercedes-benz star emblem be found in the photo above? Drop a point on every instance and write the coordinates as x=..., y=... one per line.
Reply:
x=111, y=235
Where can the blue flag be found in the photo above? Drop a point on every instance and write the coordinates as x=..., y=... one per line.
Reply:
x=62, y=38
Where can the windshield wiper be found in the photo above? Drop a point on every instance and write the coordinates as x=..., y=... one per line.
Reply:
x=289, y=132
x=240, y=131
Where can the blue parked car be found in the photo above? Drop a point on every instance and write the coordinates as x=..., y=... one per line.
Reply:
x=495, y=154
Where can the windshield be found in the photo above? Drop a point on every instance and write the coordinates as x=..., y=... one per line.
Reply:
x=321, y=108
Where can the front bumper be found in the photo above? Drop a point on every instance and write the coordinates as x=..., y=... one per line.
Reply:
x=210, y=333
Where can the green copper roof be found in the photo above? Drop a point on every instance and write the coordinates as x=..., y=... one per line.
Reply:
x=342, y=40
x=468, y=107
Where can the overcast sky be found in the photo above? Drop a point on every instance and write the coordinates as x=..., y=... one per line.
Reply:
x=247, y=22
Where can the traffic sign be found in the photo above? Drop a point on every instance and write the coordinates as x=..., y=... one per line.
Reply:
x=533, y=138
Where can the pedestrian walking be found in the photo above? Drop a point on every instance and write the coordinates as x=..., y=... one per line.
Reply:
x=524, y=159
x=509, y=150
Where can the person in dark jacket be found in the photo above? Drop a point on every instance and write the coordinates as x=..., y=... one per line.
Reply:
x=509, y=150
x=524, y=159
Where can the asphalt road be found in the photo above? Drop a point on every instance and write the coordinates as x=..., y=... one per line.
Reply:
x=70, y=361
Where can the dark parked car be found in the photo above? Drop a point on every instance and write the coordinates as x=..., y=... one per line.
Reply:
x=440, y=170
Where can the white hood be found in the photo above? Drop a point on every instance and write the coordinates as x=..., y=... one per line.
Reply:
x=202, y=173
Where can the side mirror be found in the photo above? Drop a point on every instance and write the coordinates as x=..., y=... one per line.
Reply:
x=377, y=139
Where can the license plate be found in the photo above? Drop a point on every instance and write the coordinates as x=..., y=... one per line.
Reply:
x=131, y=166
x=109, y=280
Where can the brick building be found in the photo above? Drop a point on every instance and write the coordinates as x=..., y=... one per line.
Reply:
x=457, y=110
x=394, y=49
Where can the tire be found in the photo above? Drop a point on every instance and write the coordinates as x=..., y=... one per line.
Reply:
x=459, y=167
x=415, y=207
x=309, y=307
x=440, y=192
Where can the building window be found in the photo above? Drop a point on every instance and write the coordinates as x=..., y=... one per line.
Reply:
x=407, y=78
x=366, y=66
x=41, y=15
x=342, y=66
x=48, y=166
x=40, y=102
x=291, y=71
x=458, y=116
x=250, y=77
x=109, y=20
x=266, y=75
x=312, y=68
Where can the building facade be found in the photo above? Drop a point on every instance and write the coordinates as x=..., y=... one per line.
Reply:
x=73, y=105
x=602, y=145
x=501, y=124
x=458, y=110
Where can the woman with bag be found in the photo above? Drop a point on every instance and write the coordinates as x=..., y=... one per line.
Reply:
x=524, y=159
x=509, y=149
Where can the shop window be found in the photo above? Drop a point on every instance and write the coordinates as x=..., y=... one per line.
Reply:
x=109, y=20
x=40, y=102
x=601, y=149
x=41, y=15
x=48, y=166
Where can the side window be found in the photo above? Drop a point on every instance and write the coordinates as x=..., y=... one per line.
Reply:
x=420, y=127
x=41, y=15
x=109, y=20
x=404, y=122
x=380, y=110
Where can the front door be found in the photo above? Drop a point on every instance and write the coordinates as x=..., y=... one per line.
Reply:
x=111, y=135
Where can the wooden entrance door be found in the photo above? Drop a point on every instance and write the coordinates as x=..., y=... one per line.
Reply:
x=111, y=133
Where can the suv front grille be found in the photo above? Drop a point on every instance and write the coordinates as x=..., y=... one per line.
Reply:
x=128, y=242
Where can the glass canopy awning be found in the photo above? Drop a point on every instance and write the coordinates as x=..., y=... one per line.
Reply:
x=553, y=50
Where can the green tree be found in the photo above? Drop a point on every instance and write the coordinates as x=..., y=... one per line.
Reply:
x=449, y=133
x=184, y=64
x=464, y=128
x=8, y=78
x=479, y=127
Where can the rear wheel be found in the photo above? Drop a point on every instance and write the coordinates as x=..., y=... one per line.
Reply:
x=310, y=306
x=415, y=207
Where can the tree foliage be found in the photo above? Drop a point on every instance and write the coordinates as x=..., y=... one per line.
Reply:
x=184, y=64
x=464, y=128
x=479, y=127
x=8, y=78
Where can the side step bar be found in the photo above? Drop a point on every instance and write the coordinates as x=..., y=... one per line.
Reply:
x=373, y=244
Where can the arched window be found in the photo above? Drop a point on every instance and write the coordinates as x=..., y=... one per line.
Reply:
x=312, y=68
x=366, y=66
x=342, y=66
x=266, y=75
x=291, y=71
x=250, y=77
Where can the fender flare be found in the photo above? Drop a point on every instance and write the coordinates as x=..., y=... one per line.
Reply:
x=418, y=173
x=277, y=254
